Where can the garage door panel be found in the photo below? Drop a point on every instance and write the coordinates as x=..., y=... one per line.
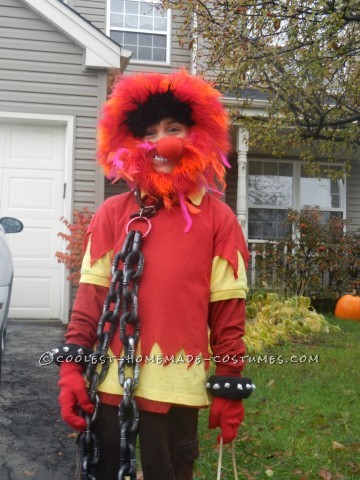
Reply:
x=32, y=172
x=36, y=243
x=35, y=147
x=27, y=194
x=36, y=294
x=2, y=146
x=2, y=158
x=1, y=188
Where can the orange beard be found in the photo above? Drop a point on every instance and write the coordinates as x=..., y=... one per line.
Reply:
x=198, y=168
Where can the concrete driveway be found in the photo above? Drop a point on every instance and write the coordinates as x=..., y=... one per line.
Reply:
x=34, y=442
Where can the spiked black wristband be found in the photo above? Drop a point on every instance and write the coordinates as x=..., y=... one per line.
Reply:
x=70, y=352
x=234, y=388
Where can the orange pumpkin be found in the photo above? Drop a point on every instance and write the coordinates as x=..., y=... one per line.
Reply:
x=348, y=307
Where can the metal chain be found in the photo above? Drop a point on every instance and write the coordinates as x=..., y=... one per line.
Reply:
x=129, y=336
x=121, y=306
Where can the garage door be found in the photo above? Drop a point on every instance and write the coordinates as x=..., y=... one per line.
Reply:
x=32, y=163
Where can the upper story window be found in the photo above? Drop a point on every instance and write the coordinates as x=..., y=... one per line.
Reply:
x=274, y=187
x=142, y=28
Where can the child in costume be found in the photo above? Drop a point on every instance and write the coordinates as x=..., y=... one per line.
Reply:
x=166, y=135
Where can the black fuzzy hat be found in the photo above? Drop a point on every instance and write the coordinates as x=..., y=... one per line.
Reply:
x=156, y=108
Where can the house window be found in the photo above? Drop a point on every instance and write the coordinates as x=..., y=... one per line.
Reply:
x=322, y=191
x=270, y=196
x=276, y=186
x=141, y=28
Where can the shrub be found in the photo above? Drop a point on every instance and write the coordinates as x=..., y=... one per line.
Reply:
x=72, y=258
x=315, y=259
x=272, y=320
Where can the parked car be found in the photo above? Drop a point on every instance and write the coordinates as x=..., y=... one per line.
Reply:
x=7, y=225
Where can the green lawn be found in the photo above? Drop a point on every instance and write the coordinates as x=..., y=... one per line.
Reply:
x=303, y=421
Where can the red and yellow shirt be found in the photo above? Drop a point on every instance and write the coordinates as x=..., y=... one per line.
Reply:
x=183, y=274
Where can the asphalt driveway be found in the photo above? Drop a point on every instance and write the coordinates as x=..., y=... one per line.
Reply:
x=34, y=442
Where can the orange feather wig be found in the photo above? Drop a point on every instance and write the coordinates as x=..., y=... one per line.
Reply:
x=142, y=100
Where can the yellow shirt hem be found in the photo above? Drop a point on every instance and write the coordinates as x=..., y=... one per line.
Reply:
x=94, y=280
x=176, y=382
x=227, y=295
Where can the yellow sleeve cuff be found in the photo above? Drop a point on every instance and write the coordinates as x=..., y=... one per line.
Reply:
x=223, y=284
x=99, y=273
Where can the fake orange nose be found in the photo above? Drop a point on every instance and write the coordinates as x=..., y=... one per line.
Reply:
x=170, y=148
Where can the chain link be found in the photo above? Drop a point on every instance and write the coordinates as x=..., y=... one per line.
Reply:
x=120, y=308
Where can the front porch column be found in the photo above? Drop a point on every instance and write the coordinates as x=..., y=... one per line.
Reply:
x=241, y=193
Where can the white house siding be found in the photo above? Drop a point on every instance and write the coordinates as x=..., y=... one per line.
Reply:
x=93, y=11
x=180, y=55
x=42, y=73
x=353, y=197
